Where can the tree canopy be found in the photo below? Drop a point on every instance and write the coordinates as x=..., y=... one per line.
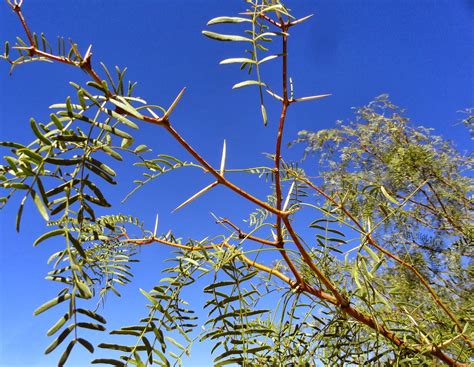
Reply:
x=370, y=263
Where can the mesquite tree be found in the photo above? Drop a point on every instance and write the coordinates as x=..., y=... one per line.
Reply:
x=383, y=278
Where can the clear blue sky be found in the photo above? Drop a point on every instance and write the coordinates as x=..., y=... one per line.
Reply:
x=418, y=51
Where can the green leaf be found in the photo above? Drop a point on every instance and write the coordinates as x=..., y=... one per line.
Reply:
x=105, y=127
x=372, y=254
x=268, y=58
x=97, y=192
x=127, y=107
x=237, y=60
x=89, y=325
x=38, y=133
x=67, y=351
x=12, y=162
x=51, y=303
x=70, y=138
x=84, y=289
x=108, y=150
x=57, y=122
x=40, y=205
x=264, y=114
x=59, y=339
x=69, y=106
x=122, y=119
x=64, y=202
x=19, y=214
x=112, y=362
x=126, y=143
x=100, y=173
x=247, y=83
x=89, y=96
x=175, y=343
x=7, y=50
x=355, y=276
x=39, y=184
x=101, y=202
x=76, y=244
x=149, y=349
x=219, y=20
x=229, y=361
x=58, y=324
x=92, y=315
x=11, y=144
x=16, y=185
x=122, y=348
x=126, y=332
x=62, y=187
x=45, y=236
x=217, y=285
x=63, y=162
x=276, y=8
x=35, y=157
x=86, y=345
x=225, y=37
x=82, y=101
x=101, y=166
x=66, y=280
x=148, y=296
x=97, y=86
x=141, y=148
x=388, y=196
x=105, y=86
x=232, y=352
x=109, y=76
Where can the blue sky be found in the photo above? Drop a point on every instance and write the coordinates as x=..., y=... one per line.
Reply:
x=420, y=52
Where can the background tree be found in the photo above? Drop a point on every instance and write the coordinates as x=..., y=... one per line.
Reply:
x=363, y=292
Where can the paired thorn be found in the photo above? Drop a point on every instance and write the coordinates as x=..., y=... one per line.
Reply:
x=287, y=200
x=156, y=226
x=274, y=95
x=196, y=195
x=174, y=104
x=224, y=153
x=292, y=99
x=301, y=20
x=212, y=185
x=310, y=98
x=153, y=113
x=86, y=61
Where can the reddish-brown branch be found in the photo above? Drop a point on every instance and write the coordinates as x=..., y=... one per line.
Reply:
x=397, y=341
x=443, y=207
x=242, y=235
x=342, y=301
x=299, y=279
x=278, y=193
x=272, y=271
x=269, y=20
x=281, y=126
x=17, y=9
x=253, y=263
